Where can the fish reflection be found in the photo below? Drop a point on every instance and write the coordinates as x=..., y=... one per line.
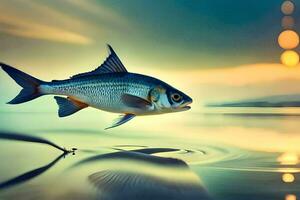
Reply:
x=30, y=138
x=140, y=175
x=138, y=155
x=30, y=174
x=35, y=172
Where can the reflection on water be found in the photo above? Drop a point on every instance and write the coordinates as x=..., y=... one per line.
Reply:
x=235, y=160
x=289, y=158
x=29, y=175
x=145, y=177
x=28, y=138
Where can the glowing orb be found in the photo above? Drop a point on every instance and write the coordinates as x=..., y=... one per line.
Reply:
x=288, y=39
x=288, y=178
x=287, y=7
x=287, y=22
x=290, y=197
x=288, y=158
x=290, y=58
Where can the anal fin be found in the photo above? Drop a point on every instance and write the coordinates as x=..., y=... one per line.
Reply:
x=121, y=120
x=68, y=106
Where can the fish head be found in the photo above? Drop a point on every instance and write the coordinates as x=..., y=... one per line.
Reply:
x=167, y=99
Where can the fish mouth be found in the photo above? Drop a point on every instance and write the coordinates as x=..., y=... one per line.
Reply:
x=186, y=106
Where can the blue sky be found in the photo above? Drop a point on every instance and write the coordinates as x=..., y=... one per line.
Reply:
x=220, y=32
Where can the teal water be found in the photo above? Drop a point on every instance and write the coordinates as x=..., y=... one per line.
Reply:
x=227, y=156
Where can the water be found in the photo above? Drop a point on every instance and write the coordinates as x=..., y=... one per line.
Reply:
x=228, y=156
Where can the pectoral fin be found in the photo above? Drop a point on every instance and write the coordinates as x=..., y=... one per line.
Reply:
x=135, y=101
x=121, y=120
x=68, y=106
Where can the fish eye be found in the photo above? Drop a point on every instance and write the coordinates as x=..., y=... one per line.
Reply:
x=176, y=97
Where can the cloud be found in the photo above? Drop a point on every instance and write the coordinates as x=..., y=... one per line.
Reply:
x=67, y=22
x=24, y=28
x=99, y=12
x=244, y=75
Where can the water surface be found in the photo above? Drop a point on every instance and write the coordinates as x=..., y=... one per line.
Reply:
x=228, y=156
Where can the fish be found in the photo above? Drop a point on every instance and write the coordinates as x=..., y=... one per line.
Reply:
x=110, y=87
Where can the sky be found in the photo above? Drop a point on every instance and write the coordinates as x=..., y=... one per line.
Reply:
x=194, y=34
x=212, y=50
x=215, y=51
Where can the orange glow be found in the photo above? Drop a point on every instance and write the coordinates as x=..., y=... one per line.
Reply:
x=288, y=159
x=290, y=197
x=290, y=58
x=288, y=178
x=287, y=7
x=288, y=39
x=287, y=22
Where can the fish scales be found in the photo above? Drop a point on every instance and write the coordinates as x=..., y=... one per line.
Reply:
x=103, y=91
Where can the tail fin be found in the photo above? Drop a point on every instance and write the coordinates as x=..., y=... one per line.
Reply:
x=30, y=84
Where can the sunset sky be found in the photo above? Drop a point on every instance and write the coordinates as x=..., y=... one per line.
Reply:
x=221, y=53
x=213, y=50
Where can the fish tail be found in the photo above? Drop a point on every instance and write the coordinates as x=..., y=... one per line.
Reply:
x=29, y=84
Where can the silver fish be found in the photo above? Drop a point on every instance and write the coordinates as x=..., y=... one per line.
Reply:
x=110, y=87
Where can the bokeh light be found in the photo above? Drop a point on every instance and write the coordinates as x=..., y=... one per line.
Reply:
x=288, y=39
x=288, y=178
x=287, y=22
x=287, y=7
x=290, y=197
x=288, y=158
x=289, y=58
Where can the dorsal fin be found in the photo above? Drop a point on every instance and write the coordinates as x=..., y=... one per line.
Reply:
x=112, y=64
